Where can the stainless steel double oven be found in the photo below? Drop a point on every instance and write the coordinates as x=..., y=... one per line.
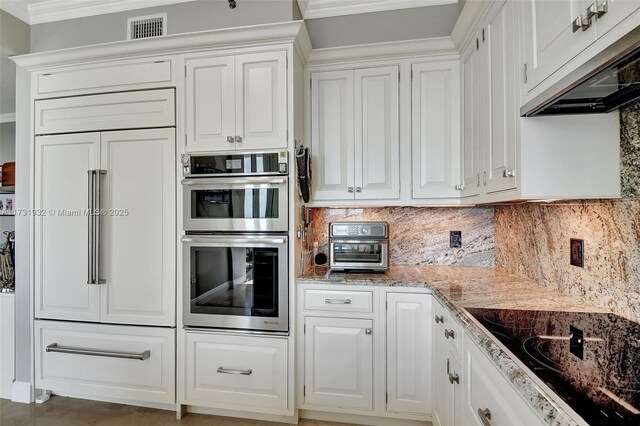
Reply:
x=235, y=246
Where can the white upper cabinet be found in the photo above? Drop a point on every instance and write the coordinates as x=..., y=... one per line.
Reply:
x=617, y=12
x=236, y=102
x=377, y=133
x=554, y=40
x=470, y=121
x=210, y=102
x=355, y=135
x=332, y=146
x=62, y=240
x=435, y=130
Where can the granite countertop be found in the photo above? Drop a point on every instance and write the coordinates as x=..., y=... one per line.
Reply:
x=459, y=287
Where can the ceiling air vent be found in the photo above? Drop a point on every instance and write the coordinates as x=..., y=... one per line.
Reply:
x=146, y=26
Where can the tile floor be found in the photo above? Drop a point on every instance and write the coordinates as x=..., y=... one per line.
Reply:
x=61, y=411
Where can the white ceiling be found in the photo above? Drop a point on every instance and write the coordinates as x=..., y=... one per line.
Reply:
x=39, y=11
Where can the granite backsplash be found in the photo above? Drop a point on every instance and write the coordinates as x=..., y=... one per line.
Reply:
x=532, y=240
x=420, y=235
x=630, y=150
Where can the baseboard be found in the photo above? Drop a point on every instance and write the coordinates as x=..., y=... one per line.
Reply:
x=156, y=405
x=242, y=414
x=360, y=420
x=22, y=392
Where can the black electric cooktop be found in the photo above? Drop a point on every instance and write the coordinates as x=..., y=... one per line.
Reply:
x=591, y=360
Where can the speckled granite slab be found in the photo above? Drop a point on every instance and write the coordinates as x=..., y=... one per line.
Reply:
x=474, y=287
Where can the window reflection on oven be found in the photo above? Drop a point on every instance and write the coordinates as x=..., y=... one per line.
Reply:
x=235, y=203
x=234, y=281
x=358, y=252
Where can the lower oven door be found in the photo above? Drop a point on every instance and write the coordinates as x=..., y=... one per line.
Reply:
x=236, y=282
x=247, y=204
x=359, y=254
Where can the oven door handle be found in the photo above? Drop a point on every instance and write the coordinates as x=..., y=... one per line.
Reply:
x=232, y=240
x=234, y=181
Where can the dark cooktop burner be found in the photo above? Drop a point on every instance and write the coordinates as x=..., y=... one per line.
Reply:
x=591, y=360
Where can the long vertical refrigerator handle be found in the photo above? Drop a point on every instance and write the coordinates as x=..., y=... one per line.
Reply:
x=97, y=219
x=91, y=243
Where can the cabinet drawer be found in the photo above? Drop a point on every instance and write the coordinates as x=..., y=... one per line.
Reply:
x=487, y=389
x=447, y=329
x=105, y=77
x=338, y=300
x=129, y=110
x=236, y=372
x=109, y=361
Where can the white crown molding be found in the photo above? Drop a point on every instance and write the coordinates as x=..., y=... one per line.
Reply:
x=394, y=49
x=465, y=27
x=59, y=10
x=312, y=9
x=255, y=35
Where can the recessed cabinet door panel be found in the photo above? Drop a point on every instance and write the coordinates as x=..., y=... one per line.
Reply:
x=435, y=134
x=501, y=39
x=377, y=135
x=62, y=227
x=261, y=100
x=138, y=244
x=332, y=146
x=338, y=367
x=408, y=345
x=552, y=41
x=470, y=123
x=210, y=115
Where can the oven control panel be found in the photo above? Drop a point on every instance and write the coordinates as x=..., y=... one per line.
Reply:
x=359, y=229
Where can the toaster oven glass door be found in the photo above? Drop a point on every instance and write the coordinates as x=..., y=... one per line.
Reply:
x=345, y=252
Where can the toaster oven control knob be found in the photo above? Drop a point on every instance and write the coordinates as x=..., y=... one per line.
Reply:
x=365, y=231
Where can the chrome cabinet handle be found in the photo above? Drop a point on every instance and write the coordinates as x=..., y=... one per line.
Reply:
x=230, y=139
x=337, y=301
x=367, y=331
x=597, y=10
x=485, y=416
x=439, y=319
x=454, y=378
x=350, y=189
x=449, y=334
x=96, y=227
x=478, y=180
x=580, y=24
x=358, y=189
x=54, y=347
x=484, y=178
x=509, y=173
x=223, y=370
x=459, y=187
x=90, y=249
x=238, y=138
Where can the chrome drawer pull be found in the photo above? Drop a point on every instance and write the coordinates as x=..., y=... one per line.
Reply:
x=439, y=319
x=485, y=416
x=92, y=352
x=232, y=371
x=454, y=378
x=337, y=301
x=449, y=334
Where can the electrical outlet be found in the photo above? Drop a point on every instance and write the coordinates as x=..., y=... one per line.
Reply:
x=576, y=341
x=577, y=252
x=455, y=239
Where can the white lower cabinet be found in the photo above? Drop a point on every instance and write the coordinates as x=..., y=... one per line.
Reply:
x=236, y=372
x=488, y=397
x=107, y=361
x=338, y=366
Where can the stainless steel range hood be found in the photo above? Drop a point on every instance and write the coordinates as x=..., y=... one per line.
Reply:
x=605, y=83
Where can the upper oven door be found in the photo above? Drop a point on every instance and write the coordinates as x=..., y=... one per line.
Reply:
x=236, y=204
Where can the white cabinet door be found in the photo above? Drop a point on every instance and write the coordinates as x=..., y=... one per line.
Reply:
x=332, y=145
x=377, y=133
x=435, y=133
x=551, y=41
x=338, y=365
x=210, y=98
x=471, y=121
x=408, y=353
x=237, y=372
x=261, y=100
x=61, y=227
x=501, y=42
x=138, y=227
